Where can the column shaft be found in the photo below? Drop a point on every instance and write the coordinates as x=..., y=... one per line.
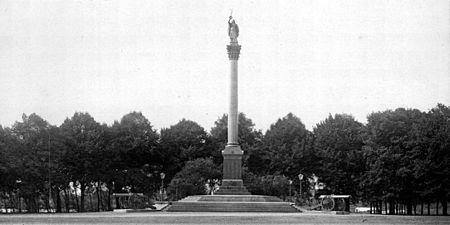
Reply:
x=233, y=104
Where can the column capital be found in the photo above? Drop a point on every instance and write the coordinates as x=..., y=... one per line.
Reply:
x=233, y=51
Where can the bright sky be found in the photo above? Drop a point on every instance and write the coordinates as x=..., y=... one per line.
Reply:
x=168, y=59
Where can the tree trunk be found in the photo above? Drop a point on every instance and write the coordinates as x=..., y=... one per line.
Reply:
x=105, y=199
x=4, y=204
x=20, y=203
x=110, y=191
x=370, y=207
x=103, y=195
x=109, y=201
x=374, y=205
x=118, y=206
x=391, y=208
x=26, y=201
x=375, y=210
x=437, y=207
x=76, y=200
x=444, y=207
x=58, y=201
x=67, y=200
x=91, y=202
x=378, y=207
x=98, y=196
x=429, y=212
x=47, y=204
x=415, y=207
x=421, y=208
x=409, y=208
x=385, y=207
x=37, y=202
x=11, y=204
x=381, y=206
x=33, y=205
x=82, y=195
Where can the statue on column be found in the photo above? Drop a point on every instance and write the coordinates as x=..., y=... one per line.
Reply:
x=233, y=30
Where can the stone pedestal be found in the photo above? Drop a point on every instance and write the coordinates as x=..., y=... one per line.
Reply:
x=232, y=183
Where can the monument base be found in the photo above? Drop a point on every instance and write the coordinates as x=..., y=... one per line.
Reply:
x=232, y=183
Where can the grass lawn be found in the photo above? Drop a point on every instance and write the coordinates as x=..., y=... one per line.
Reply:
x=216, y=218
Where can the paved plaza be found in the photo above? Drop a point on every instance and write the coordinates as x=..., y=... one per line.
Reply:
x=216, y=218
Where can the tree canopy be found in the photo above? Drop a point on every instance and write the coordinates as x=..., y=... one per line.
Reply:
x=400, y=156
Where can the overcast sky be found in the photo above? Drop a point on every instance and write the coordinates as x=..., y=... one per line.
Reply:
x=168, y=59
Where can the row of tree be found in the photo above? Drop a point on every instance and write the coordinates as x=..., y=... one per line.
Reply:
x=400, y=156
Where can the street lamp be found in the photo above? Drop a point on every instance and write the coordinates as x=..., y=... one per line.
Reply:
x=290, y=184
x=18, y=182
x=300, y=177
x=162, y=175
x=49, y=171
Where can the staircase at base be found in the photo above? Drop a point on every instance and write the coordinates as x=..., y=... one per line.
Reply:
x=232, y=187
x=231, y=203
x=233, y=190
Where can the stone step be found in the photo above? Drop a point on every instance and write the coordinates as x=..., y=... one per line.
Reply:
x=192, y=198
x=237, y=198
x=204, y=206
x=233, y=190
x=233, y=193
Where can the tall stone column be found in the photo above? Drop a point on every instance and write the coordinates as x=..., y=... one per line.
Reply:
x=233, y=54
x=232, y=154
x=232, y=183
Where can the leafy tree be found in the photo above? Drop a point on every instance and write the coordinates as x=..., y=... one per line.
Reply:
x=181, y=142
x=431, y=165
x=339, y=145
x=391, y=162
x=82, y=138
x=5, y=155
x=284, y=145
x=31, y=159
x=192, y=178
x=9, y=166
x=131, y=154
x=58, y=175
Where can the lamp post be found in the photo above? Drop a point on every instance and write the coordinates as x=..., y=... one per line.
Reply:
x=49, y=170
x=18, y=182
x=290, y=184
x=162, y=175
x=176, y=191
x=300, y=177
